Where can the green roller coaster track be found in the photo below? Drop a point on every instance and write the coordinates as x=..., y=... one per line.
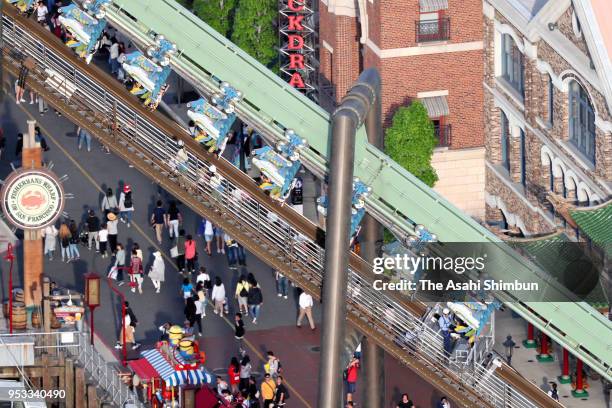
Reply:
x=271, y=105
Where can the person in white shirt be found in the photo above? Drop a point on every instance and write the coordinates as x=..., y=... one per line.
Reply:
x=41, y=13
x=205, y=279
x=113, y=55
x=306, y=304
x=218, y=296
x=103, y=240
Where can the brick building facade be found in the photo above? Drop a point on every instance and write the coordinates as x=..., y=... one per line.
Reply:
x=547, y=109
x=430, y=50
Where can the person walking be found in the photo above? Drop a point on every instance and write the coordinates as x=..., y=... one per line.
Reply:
x=74, y=241
x=553, y=392
x=273, y=365
x=64, y=236
x=111, y=225
x=157, y=273
x=190, y=310
x=233, y=373
x=254, y=300
x=103, y=240
x=191, y=254
x=445, y=322
x=351, y=378
x=84, y=137
x=129, y=325
x=219, y=236
x=282, y=284
x=126, y=205
x=109, y=202
x=218, y=296
x=239, y=332
x=204, y=278
x=135, y=271
x=200, y=302
x=268, y=389
x=187, y=289
x=173, y=219
x=232, y=251
x=245, y=372
x=281, y=394
x=120, y=263
x=50, y=235
x=208, y=236
x=93, y=229
x=242, y=294
x=113, y=55
x=179, y=251
x=443, y=403
x=305, y=301
x=158, y=220
x=405, y=402
x=253, y=393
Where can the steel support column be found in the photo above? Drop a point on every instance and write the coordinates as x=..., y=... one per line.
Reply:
x=373, y=361
x=345, y=121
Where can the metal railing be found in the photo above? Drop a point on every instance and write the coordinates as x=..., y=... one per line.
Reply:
x=443, y=135
x=432, y=30
x=379, y=312
x=77, y=344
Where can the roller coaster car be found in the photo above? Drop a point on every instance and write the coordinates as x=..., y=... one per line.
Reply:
x=24, y=6
x=150, y=73
x=282, y=166
x=85, y=26
x=212, y=123
x=360, y=192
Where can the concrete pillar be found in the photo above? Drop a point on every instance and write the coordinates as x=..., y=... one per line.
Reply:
x=565, y=378
x=530, y=341
x=545, y=356
x=32, y=242
x=579, y=391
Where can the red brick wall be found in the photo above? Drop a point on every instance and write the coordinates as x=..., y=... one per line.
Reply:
x=392, y=25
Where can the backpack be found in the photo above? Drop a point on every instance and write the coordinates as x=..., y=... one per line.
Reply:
x=127, y=202
x=244, y=292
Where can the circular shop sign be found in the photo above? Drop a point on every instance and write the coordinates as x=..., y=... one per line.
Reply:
x=32, y=198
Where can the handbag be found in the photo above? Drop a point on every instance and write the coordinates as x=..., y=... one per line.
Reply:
x=113, y=272
x=174, y=252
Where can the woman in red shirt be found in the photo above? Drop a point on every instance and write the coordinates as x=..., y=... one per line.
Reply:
x=233, y=373
x=190, y=253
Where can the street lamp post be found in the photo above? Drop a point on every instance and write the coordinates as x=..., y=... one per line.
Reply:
x=509, y=348
x=92, y=298
x=11, y=258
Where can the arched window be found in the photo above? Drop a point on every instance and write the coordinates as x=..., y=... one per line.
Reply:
x=505, y=141
x=581, y=121
x=512, y=64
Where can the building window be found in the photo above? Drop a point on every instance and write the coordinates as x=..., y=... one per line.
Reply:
x=432, y=27
x=551, y=100
x=442, y=130
x=512, y=64
x=523, y=160
x=505, y=141
x=581, y=121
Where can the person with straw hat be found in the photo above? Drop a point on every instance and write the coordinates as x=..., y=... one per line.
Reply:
x=111, y=226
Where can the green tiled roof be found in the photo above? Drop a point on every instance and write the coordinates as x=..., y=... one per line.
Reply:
x=554, y=254
x=596, y=223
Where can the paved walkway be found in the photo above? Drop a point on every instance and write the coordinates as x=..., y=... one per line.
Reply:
x=542, y=374
x=92, y=172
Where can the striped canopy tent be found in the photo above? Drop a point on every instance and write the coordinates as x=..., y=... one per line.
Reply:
x=173, y=377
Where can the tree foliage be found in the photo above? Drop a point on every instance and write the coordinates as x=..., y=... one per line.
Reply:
x=254, y=29
x=218, y=14
x=410, y=141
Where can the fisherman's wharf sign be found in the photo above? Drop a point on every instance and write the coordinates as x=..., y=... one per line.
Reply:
x=32, y=198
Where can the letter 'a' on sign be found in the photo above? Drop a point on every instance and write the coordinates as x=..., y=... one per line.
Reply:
x=296, y=81
x=296, y=42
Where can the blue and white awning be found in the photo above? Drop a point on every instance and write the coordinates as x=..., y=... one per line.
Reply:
x=174, y=377
x=159, y=363
x=194, y=377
